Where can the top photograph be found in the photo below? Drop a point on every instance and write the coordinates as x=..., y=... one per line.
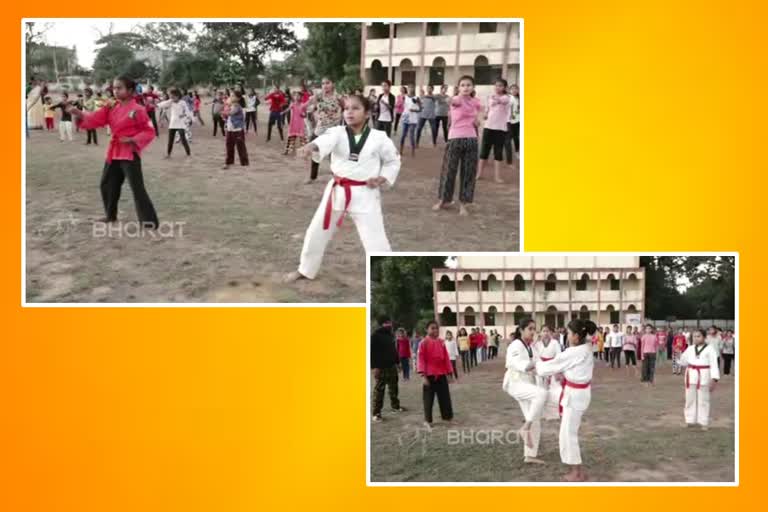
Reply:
x=250, y=161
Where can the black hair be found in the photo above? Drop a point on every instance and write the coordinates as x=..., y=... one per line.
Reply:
x=129, y=83
x=387, y=82
x=363, y=101
x=502, y=82
x=525, y=322
x=430, y=323
x=460, y=330
x=382, y=319
x=239, y=98
x=404, y=89
x=174, y=92
x=701, y=331
x=582, y=328
x=466, y=77
x=88, y=90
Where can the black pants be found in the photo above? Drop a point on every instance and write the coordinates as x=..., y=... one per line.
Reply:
x=397, y=120
x=441, y=120
x=218, y=122
x=422, y=122
x=493, y=352
x=387, y=379
x=275, y=118
x=629, y=355
x=465, y=363
x=727, y=362
x=314, y=167
x=649, y=367
x=153, y=118
x=459, y=153
x=615, y=354
x=112, y=179
x=172, y=136
x=513, y=137
x=493, y=139
x=437, y=386
x=385, y=126
x=250, y=117
x=473, y=358
x=92, y=135
x=236, y=140
x=455, y=370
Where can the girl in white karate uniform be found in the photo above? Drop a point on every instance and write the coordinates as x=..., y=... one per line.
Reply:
x=576, y=364
x=520, y=384
x=362, y=161
x=701, y=376
x=545, y=349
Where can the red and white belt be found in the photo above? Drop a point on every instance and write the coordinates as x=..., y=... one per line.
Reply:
x=698, y=369
x=570, y=384
x=347, y=184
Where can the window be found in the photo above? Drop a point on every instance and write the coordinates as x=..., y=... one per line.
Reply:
x=487, y=27
x=519, y=315
x=407, y=73
x=519, y=283
x=469, y=317
x=552, y=318
x=378, y=31
x=446, y=285
x=615, y=284
x=491, y=284
x=584, y=313
x=447, y=317
x=551, y=284
x=490, y=316
x=485, y=74
x=632, y=308
x=434, y=29
x=581, y=284
x=437, y=72
x=378, y=73
x=614, y=315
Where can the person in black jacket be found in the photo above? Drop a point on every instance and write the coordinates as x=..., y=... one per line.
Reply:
x=386, y=109
x=384, y=360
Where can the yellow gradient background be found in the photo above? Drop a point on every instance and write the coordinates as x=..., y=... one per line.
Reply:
x=644, y=130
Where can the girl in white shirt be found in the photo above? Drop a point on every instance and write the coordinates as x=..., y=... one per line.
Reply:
x=545, y=349
x=576, y=365
x=453, y=352
x=362, y=161
x=411, y=111
x=701, y=376
x=180, y=116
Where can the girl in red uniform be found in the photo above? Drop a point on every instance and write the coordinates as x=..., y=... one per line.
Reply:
x=132, y=131
x=434, y=367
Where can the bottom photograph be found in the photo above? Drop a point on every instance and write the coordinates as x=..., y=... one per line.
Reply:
x=555, y=368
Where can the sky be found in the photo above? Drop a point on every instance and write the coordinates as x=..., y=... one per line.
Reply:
x=84, y=33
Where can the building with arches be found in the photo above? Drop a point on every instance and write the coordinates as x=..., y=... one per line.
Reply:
x=436, y=53
x=497, y=291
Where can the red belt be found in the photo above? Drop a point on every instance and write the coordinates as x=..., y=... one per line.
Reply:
x=546, y=358
x=347, y=184
x=698, y=371
x=571, y=385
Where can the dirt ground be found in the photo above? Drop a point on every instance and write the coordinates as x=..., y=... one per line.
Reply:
x=629, y=434
x=231, y=234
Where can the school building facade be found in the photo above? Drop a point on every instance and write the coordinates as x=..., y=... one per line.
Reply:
x=436, y=53
x=497, y=291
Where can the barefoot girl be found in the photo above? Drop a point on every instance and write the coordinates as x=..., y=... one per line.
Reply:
x=576, y=364
x=701, y=376
x=296, y=128
x=519, y=383
x=236, y=131
x=132, y=131
x=462, y=147
x=362, y=161
x=495, y=131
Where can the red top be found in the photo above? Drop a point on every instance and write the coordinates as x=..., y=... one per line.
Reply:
x=150, y=98
x=474, y=340
x=129, y=120
x=276, y=101
x=404, y=347
x=433, y=358
x=305, y=96
x=679, y=344
x=483, y=339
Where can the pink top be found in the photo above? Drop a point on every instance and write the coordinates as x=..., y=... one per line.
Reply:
x=648, y=344
x=464, y=111
x=630, y=342
x=399, y=104
x=404, y=347
x=498, y=112
x=196, y=104
x=129, y=120
x=298, y=113
x=433, y=358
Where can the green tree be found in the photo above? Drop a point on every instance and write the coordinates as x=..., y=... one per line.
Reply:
x=247, y=44
x=402, y=288
x=171, y=36
x=332, y=46
x=130, y=40
x=187, y=70
x=351, y=80
x=111, y=61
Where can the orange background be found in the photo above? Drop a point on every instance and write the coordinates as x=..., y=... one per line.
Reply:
x=642, y=126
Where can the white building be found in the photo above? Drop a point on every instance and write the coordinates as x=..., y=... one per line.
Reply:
x=427, y=53
x=497, y=291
